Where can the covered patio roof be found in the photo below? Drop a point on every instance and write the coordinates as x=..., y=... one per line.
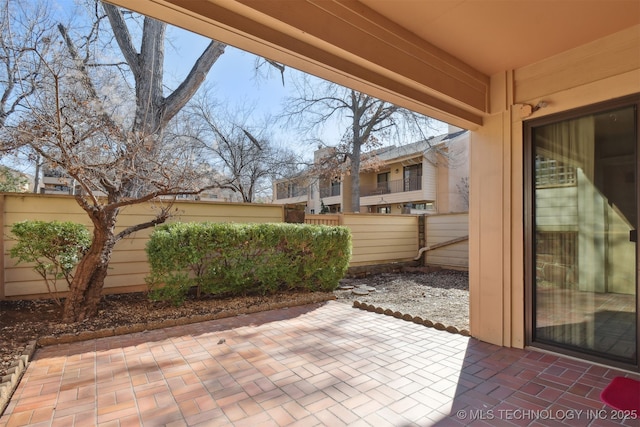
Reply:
x=435, y=57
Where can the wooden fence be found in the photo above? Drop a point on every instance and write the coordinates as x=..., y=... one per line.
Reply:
x=322, y=219
x=128, y=267
x=385, y=239
x=440, y=229
x=376, y=238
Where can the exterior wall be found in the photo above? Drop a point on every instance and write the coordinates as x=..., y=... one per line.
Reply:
x=490, y=257
x=443, y=228
x=393, y=175
x=450, y=178
x=129, y=263
x=428, y=191
x=429, y=180
x=291, y=200
x=604, y=69
x=369, y=180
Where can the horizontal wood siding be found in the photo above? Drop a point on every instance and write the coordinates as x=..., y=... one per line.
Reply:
x=429, y=180
x=322, y=219
x=382, y=239
x=608, y=56
x=377, y=239
x=129, y=265
x=557, y=209
x=442, y=228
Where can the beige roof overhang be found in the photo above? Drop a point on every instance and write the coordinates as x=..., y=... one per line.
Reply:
x=411, y=52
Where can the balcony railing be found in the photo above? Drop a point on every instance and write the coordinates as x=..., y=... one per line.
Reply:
x=286, y=193
x=396, y=186
x=329, y=191
x=551, y=173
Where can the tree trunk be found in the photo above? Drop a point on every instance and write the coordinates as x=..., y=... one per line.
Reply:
x=86, y=287
x=355, y=180
x=36, y=175
x=149, y=97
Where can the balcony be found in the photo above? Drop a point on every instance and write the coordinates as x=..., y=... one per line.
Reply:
x=332, y=191
x=396, y=186
x=290, y=192
x=552, y=173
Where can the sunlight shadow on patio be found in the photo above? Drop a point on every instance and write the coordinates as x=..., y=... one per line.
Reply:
x=322, y=364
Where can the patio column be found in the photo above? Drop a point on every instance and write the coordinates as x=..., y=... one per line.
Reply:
x=495, y=235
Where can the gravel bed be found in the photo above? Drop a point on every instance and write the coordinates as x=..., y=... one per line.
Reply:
x=440, y=296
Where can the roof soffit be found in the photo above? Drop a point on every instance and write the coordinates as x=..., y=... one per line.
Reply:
x=451, y=91
x=430, y=56
x=494, y=36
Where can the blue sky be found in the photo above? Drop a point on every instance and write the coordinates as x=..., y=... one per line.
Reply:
x=232, y=76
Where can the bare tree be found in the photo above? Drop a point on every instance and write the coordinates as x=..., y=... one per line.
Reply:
x=25, y=31
x=80, y=121
x=153, y=109
x=367, y=121
x=463, y=189
x=247, y=161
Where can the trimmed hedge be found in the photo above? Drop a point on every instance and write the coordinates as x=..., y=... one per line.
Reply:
x=240, y=259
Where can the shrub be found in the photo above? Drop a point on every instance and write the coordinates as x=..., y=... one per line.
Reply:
x=54, y=247
x=241, y=259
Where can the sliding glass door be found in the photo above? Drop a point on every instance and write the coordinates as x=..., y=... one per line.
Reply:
x=582, y=220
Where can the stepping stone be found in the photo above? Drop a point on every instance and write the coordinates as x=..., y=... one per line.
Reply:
x=367, y=288
x=360, y=291
x=345, y=287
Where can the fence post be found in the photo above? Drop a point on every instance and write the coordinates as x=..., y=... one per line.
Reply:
x=2, y=270
x=422, y=235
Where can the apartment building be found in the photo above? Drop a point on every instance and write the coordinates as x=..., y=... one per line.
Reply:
x=56, y=181
x=429, y=176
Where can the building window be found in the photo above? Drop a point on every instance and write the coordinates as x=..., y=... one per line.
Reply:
x=335, y=188
x=289, y=189
x=413, y=177
x=424, y=206
x=383, y=183
x=384, y=209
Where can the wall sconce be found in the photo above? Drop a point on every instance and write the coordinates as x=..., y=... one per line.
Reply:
x=527, y=109
x=397, y=170
x=539, y=105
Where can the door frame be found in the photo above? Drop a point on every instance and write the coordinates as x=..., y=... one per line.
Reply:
x=529, y=238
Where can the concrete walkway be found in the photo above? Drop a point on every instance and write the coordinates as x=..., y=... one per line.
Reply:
x=325, y=364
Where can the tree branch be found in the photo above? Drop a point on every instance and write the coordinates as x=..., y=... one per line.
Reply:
x=123, y=36
x=191, y=83
x=159, y=219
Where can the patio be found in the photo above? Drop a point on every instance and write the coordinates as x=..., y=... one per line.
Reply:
x=322, y=364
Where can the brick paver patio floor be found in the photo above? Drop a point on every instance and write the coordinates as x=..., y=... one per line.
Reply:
x=324, y=364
